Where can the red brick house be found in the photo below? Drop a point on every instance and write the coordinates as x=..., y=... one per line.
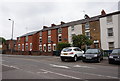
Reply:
x=46, y=40
x=10, y=44
x=28, y=42
x=49, y=37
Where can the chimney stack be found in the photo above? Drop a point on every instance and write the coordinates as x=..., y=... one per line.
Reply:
x=103, y=12
x=86, y=16
x=45, y=27
x=62, y=22
x=53, y=25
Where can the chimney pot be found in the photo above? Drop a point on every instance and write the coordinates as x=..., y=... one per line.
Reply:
x=62, y=22
x=53, y=25
x=103, y=12
x=45, y=27
x=86, y=16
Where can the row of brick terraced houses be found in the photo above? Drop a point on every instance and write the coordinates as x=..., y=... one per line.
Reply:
x=102, y=29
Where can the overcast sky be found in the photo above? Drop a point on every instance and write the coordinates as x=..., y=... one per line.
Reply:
x=32, y=15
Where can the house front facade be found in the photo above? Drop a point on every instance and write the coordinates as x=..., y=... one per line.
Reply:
x=27, y=42
x=110, y=31
x=102, y=30
x=49, y=37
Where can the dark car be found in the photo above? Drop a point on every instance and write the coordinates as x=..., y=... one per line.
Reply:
x=93, y=55
x=114, y=57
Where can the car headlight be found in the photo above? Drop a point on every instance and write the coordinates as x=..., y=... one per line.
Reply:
x=95, y=55
x=83, y=55
x=110, y=56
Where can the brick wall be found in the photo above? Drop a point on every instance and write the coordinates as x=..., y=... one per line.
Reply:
x=35, y=42
x=44, y=38
x=65, y=34
x=54, y=37
x=11, y=43
x=94, y=31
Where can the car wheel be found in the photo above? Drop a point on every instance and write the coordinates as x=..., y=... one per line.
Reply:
x=109, y=61
x=75, y=58
x=102, y=58
x=62, y=59
x=98, y=60
x=83, y=60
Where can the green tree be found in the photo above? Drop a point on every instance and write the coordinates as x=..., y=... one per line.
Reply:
x=2, y=40
x=80, y=40
x=62, y=45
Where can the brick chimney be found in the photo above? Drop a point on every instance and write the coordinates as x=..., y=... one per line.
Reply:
x=103, y=12
x=45, y=27
x=52, y=25
x=86, y=16
x=62, y=22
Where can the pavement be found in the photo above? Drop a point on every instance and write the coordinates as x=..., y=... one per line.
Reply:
x=52, y=68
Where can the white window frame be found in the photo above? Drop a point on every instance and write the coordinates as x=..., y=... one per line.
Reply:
x=19, y=39
x=26, y=38
x=26, y=46
x=40, y=33
x=22, y=47
x=18, y=46
x=110, y=32
x=49, y=47
x=87, y=25
x=9, y=46
x=88, y=47
x=109, y=19
x=88, y=31
x=54, y=47
x=40, y=39
x=59, y=30
x=30, y=46
x=111, y=46
x=0, y=46
x=40, y=47
x=60, y=35
x=45, y=47
x=49, y=32
x=49, y=39
x=72, y=28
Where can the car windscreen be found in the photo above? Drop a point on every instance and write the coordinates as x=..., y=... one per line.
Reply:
x=67, y=50
x=116, y=52
x=92, y=51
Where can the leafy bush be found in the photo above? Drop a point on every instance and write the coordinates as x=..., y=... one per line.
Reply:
x=62, y=45
x=81, y=40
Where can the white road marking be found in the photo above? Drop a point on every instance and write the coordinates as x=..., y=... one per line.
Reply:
x=97, y=75
x=19, y=68
x=10, y=66
x=83, y=66
x=101, y=75
x=42, y=72
x=60, y=74
x=59, y=66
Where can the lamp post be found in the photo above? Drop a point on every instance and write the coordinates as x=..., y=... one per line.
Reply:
x=12, y=27
x=12, y=33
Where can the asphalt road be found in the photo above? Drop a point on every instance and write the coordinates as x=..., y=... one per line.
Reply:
x=51, y=67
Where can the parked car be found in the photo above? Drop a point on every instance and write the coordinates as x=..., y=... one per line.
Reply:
x=93, y=55
x=71, y=53
x=114, y=57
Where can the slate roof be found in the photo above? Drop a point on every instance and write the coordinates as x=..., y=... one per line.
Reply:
x=74, y=23
x=95, y=18
x=114, y=13
x=30, y=33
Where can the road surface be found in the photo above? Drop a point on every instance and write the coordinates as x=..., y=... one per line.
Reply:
x=51, y=67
